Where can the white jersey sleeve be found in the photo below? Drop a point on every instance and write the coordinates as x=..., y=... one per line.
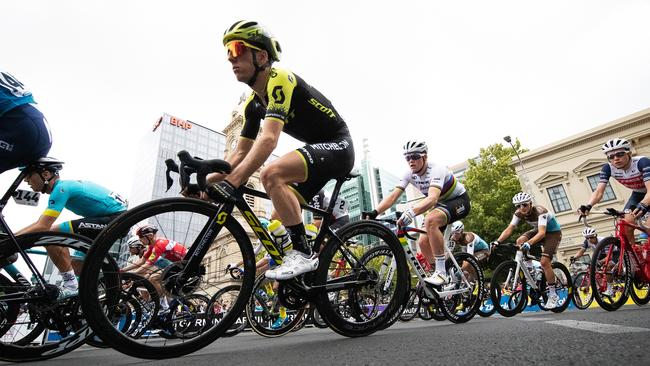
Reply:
x=406, y=179
x=514, y=221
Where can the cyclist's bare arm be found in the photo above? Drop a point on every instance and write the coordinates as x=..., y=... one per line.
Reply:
x=596, y=196
x=145, y=269
x=506, y=233
x=541, y=232
x=427, y=202
x=134, y=265
x=646, y=201
x=235, y=157
x=44, y=223
x=260, y=151
x=389, y=201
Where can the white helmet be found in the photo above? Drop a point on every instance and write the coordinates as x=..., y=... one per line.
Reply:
x=589, y=232
x=616, y=144
x=521, y=197
x=134, y=242
x=415, y=146
x=457, y=227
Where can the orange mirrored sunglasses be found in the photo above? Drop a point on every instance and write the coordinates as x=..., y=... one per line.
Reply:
x=236, y=48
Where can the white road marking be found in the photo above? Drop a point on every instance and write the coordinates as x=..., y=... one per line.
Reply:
x=597, y=327
x=533, y=319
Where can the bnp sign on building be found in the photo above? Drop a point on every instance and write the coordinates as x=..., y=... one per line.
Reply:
x=174, y=121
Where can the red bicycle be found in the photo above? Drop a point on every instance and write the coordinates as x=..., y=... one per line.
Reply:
x=620, y=269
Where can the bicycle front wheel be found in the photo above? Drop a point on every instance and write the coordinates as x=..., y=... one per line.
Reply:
x=583, y=296
x=468, y=278
x=609, y=279
x=508, y=289
x=220, y=305
x=355, y=301
x=181, y=220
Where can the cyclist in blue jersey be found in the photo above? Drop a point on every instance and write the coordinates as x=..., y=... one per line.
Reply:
x=546, y=231
x=95, y=204
x=632, y=172
x=24, y=134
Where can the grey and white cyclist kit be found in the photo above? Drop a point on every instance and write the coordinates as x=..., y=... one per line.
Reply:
x=540, y=216
x=476, y=247
x=340, y=212
x=586, y=245
x=453, y=201
x=633, y=178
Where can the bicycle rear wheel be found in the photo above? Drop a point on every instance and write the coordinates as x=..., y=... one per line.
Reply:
x=487, y=308
x=640, y=291
x=41, y=317
x=186, y=221
x=563, y=287
x=266, y=315
x=508, y=290
x=354, y=300
x=609, y=284
x=583, y=295
x=461, y=308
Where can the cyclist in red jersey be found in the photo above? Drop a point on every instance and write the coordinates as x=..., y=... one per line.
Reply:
x=160, y=253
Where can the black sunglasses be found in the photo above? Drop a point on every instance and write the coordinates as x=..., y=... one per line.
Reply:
x=522, y=205
x=412, y=157
x=619, y=154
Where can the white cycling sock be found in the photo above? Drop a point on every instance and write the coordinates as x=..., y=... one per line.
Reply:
x=69, y=279
x=163, y=303
x=440, y=264
x=551, y=289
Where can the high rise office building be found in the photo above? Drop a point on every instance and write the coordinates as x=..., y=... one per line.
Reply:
x=169, y=136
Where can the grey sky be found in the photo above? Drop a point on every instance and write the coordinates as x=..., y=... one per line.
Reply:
x=459, y=74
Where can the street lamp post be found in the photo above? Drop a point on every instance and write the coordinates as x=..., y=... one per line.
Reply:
x=521, y=165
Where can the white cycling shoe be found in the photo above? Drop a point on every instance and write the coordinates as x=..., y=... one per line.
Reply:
x=293, y=264
x=437, y=279
x=552, y=302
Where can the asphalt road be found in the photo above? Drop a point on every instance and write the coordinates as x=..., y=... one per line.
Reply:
x=574, y=337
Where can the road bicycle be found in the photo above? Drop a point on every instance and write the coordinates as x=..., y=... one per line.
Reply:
x=418, y=305
x=620, y=269
x=214, y=237
x=583, y=296
x=34, y=323
x=264, y=313
x=515, y=280
x=458, y=301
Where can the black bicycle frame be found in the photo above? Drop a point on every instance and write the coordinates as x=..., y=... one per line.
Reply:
x=4, y=227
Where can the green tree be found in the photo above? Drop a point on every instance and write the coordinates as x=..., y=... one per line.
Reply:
x=491, y=182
